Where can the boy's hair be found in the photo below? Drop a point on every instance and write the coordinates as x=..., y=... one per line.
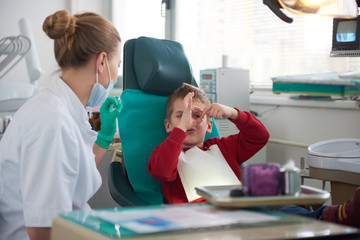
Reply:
x=181, y=92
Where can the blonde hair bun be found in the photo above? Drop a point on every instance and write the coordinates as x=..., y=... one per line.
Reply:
x=79, y=37
x=59, y=25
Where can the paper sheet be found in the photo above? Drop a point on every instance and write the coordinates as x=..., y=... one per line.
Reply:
x=203, y=168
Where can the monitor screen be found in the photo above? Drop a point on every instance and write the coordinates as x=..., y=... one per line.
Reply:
x=346, y=31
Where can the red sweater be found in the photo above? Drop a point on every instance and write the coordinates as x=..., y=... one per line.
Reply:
x=236, y=149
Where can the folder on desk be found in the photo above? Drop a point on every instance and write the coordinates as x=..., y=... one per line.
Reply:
x=134, y=221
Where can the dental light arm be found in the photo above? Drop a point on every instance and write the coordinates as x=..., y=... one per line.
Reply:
x=275, y=6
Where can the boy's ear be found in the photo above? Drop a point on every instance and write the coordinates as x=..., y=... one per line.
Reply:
x=209, y=126
x=167, y=125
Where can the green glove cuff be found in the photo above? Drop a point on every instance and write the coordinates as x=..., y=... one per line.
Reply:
x=109, y=111
x=103, y=140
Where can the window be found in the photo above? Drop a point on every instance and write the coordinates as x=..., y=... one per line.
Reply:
x=246, y=34
x=138, y=18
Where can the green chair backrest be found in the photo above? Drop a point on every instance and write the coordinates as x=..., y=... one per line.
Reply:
x=153, y=69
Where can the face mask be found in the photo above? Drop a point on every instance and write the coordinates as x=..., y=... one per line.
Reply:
x=99, y=93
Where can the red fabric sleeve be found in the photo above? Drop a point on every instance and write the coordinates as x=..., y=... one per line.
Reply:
x=164, y=159
x=240, y=147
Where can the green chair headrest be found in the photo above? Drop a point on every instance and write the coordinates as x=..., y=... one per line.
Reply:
x=160, y=66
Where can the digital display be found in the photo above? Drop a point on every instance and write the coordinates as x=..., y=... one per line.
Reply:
x=346, y=31
x=207, y=76
x=345, y=38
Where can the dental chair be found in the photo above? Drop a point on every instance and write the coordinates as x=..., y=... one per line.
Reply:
x=153, y=69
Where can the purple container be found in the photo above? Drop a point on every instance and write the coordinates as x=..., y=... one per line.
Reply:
x=262, y=179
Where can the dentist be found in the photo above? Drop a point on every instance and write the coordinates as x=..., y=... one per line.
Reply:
x=49, y=154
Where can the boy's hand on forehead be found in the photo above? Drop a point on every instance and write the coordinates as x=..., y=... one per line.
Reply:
x=188, y=99
x=191, y=115
x=187, y=114
x=217, y=110
x=186, y=118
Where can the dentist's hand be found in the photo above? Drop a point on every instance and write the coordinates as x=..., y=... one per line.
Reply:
x=108, y=114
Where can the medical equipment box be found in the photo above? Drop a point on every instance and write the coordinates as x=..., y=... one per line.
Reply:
x=228, y=86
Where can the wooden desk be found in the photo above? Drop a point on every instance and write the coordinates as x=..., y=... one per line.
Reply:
x=343, y=184
x=64, y=229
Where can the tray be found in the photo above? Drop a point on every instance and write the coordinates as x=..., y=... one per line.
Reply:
x=316, y=89
x=220, y=196
x=322, y=84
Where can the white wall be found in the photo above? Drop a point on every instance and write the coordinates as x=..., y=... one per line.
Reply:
x=304, y=125
x=307, y=125
x=11, y=11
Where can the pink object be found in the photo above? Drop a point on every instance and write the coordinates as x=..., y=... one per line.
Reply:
x=261, y=179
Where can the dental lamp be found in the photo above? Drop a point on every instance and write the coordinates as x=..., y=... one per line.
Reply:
x=346, y=20
x=330, y=8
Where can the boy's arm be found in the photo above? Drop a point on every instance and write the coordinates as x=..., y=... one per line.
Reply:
x=252, y=137
x=164, y=159
x=217, y=110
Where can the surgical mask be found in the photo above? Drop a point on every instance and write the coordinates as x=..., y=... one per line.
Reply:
x=99, y=93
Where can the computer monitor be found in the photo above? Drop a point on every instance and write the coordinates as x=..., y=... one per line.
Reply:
x=346, y=38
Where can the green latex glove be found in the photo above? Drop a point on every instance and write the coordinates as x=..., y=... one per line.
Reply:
x=109, y=111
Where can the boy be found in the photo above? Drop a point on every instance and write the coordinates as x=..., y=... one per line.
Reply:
x=180, y=161
x=184, y=160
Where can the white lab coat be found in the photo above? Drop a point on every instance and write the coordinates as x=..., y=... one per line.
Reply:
x=47, y=164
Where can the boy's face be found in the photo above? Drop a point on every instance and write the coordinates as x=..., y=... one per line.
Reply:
x=195, y=134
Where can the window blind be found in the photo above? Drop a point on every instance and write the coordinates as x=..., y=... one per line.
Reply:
x=248, y=35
